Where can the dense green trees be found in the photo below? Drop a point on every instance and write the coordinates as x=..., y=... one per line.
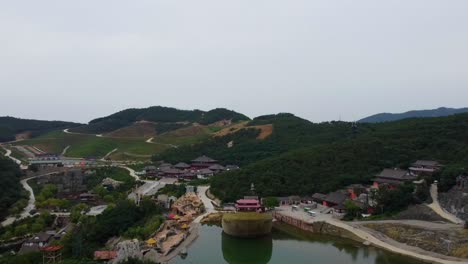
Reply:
x=10, y=187
x=289, y=132
x=173, y=190
x=125, y=218
x=270, y=202
x=333, y=162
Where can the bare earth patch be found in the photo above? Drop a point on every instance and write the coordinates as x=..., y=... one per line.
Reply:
x=447, y=242
x=265, y=130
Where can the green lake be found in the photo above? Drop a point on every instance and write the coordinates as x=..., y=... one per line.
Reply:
x=285, y=245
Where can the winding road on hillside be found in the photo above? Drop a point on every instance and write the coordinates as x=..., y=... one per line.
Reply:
x=31, y=202
x=8, y=155
x=435, y=206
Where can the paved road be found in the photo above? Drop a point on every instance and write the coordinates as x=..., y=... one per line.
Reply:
x=64, y=151
x=150, y=141
x=31, y=203
x=207, y=203
x=108, y=154
x=8, y=155
x=435, y=206
x=374, y=238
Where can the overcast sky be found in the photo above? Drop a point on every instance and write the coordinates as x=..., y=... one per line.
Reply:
x=78, y=60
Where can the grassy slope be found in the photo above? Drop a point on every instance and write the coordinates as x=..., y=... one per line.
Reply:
x=90, y=145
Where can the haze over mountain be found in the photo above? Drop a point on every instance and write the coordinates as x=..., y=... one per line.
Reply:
x=385, y=117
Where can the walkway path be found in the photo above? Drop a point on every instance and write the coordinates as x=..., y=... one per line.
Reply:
x=64, y=151
x=435, y=206
x=150, y=141
x=390, y=245
x=108, y=154
x=8, y=155
x=31, y=203
x=377, y=239
x=207, y=203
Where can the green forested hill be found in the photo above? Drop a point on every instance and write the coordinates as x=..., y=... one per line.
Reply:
x=10, y=126
x=157, y=114
x=352, y=159
x=385, y=117
x=289, y=132
x=10, y=187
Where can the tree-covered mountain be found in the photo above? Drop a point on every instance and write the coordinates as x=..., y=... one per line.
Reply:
x=11, y=126
x=353, y=158
x=157, y=114
x=385, y=117
x=243, y=147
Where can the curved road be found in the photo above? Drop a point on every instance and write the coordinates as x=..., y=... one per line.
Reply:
x=435, y=206
x=8, y=155
x=31, y=203
x=207, y=203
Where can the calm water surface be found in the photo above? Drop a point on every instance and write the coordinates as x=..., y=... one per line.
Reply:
x=286, y=245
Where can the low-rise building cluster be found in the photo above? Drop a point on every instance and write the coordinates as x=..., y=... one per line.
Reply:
x=359, y=194
x=202, y=167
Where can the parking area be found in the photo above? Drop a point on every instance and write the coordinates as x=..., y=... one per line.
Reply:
x=306, y=212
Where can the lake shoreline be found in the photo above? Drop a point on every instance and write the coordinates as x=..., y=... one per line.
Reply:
x=340, y=229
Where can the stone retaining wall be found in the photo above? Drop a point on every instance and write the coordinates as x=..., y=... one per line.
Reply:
x=316, y=227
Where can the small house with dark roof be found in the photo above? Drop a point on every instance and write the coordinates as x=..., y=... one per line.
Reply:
x=393, y=178
x=334, y=199
x=425, y=166
x=35, y=243
x=216, y=168
x=289, y=200
x=188, y=176
x=172, y=172
x=203, y=162
x=150, y=170
x=318, y=197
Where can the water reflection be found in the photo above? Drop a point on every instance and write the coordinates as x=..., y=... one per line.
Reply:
x=247, y=251
x=286, y=245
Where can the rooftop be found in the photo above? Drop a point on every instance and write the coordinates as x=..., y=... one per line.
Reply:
x=336, y=197
x=216, y=167
x=182, y=165
x=203, y=159
x=396, y=174
x=424, y=163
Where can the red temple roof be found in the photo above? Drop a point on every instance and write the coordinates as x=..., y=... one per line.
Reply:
x=52, y=248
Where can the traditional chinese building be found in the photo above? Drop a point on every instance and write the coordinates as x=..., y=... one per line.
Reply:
x=248, y=205
x=425, y=166
x=393, y=178
x=203, y=162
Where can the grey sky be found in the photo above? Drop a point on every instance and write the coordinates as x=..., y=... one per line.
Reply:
x=77, y=60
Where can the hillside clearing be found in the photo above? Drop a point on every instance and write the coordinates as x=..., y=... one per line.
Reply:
x=265, y=130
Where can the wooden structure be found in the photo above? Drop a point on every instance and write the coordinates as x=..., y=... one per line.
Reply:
x=52, y=254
